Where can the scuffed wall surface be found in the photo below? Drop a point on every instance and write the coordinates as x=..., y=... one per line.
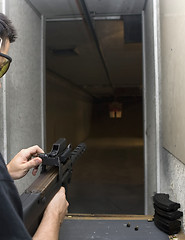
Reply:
x=24, y=79
x=173, y=179
x=23, y=83
x=68, y=111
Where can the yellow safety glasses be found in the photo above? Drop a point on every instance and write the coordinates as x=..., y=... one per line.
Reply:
x=5, y=61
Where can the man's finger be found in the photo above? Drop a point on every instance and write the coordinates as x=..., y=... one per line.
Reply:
x=35, y=170
x=34, y=150
x=33, y=163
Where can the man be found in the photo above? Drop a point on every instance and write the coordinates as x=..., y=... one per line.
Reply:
x=11, y=224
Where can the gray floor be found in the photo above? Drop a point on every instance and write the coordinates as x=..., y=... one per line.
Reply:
x=109, y=178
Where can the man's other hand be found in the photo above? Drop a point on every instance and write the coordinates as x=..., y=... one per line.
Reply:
x=26, y=159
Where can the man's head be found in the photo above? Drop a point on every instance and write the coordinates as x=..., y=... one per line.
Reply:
x=7, y=35
x=7, y=30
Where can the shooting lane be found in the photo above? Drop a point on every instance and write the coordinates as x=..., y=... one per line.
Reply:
x=112, y=227
x=108, y=178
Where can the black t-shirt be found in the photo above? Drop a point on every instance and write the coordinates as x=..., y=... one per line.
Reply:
x=11, y=214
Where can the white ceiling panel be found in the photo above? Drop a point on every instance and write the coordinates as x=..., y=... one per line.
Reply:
x=64, y=8
x=56, y=8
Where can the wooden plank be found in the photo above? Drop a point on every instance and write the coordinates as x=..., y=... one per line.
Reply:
x=108, y=217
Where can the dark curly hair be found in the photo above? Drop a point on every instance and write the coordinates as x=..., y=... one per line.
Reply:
x=7, y=30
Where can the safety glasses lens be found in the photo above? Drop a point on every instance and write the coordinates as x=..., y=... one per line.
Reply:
x=4, y=67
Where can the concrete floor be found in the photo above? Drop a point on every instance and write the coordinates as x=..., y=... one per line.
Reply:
x=109, y=178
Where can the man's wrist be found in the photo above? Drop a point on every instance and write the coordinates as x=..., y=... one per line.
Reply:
x=8, y=168
x=10, y=172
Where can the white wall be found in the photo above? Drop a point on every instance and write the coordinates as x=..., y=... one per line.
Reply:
x=22, y=85
x=172, y=18
x=173, y=72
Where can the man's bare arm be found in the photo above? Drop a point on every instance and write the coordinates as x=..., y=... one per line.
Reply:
x=53, y=217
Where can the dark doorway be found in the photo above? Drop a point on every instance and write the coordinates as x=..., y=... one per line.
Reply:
x=94, y=61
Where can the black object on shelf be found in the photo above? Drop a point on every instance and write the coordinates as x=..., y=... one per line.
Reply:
x=166, y=214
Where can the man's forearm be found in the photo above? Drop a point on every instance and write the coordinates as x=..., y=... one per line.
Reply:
x=48, y=228
x=53, y=217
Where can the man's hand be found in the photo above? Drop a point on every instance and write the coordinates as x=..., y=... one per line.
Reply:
x=58, y=206
x=53, y=217
x=26, y=159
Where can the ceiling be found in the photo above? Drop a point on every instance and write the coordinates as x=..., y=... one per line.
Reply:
x=94, y=44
